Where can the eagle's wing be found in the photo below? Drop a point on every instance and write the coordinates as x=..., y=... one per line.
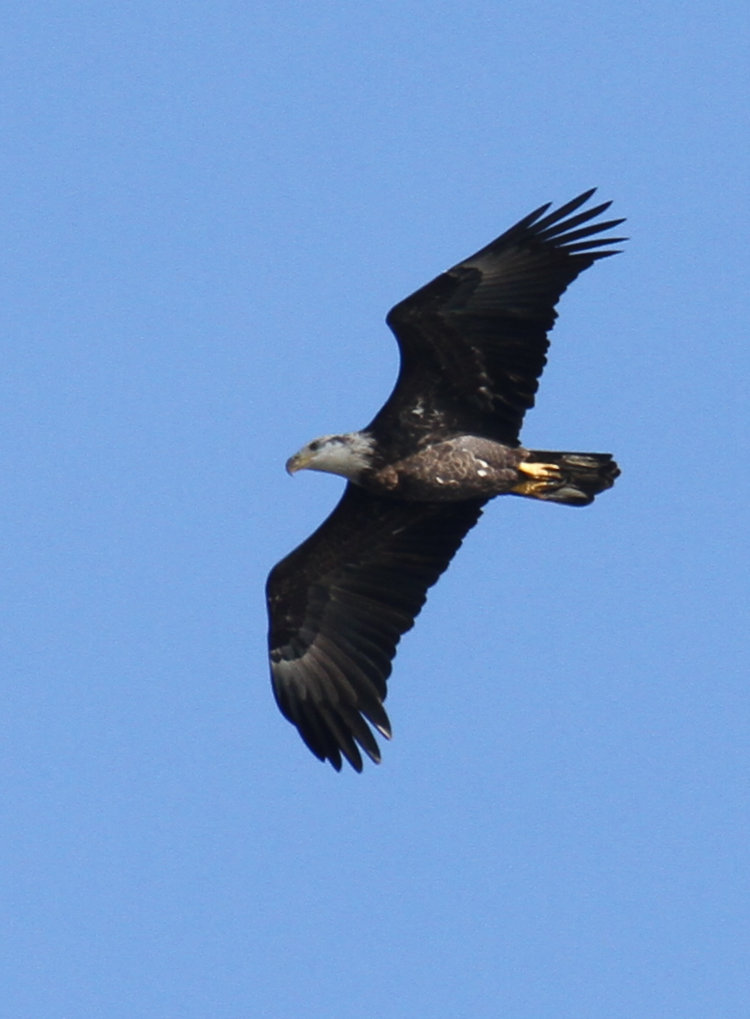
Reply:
x=338, y=605
x=473, y=341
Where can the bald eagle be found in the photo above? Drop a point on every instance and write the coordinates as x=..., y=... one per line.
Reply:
x=472, y=345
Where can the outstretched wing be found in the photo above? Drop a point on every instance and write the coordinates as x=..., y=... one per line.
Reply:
x=338, y=605
x=473, y=341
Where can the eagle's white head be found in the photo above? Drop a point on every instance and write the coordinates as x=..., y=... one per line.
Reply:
x=348, y=455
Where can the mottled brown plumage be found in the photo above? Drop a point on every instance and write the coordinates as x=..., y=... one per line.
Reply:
x=473, y=343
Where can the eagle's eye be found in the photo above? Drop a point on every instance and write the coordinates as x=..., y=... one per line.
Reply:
x=314, y=446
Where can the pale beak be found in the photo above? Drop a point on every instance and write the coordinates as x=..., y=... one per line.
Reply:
x=296, y=463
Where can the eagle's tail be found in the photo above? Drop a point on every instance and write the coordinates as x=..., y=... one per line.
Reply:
x=570, y=478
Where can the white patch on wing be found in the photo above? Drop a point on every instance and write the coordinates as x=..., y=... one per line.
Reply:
x=418, y=409
x=482, y=466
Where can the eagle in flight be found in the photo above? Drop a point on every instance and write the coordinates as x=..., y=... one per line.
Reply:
x=473, y=344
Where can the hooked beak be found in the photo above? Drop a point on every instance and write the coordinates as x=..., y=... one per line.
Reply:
x=297, y=463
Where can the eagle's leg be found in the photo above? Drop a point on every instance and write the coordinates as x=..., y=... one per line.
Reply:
x=540, y=477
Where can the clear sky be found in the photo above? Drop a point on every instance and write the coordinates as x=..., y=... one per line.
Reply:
x=208, y=208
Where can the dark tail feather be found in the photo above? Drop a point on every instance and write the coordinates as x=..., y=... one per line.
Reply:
x=570, y=478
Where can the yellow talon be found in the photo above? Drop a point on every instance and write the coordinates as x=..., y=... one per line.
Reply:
x=542, y=472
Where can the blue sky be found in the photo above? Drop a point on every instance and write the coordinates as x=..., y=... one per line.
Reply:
x=208, y=210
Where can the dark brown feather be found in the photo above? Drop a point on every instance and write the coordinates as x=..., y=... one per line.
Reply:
x=338, y=606
x=473, y=341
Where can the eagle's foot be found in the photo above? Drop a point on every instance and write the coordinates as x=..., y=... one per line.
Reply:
x=540, y=472
x=537, y=479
